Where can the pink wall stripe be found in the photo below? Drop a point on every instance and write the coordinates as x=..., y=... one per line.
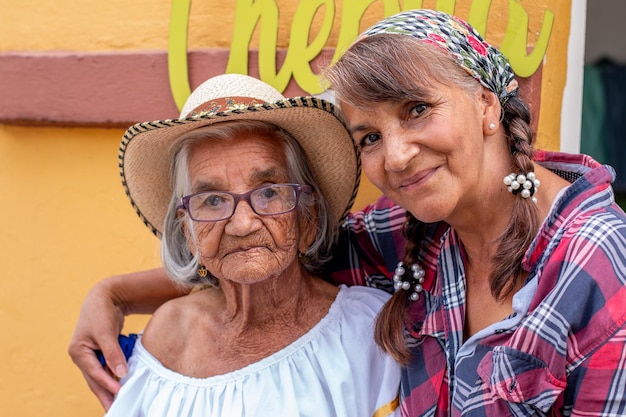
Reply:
x=117, y=89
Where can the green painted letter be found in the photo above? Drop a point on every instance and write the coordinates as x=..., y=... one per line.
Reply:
x=514, y=45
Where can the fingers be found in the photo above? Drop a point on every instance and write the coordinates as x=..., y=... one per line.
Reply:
x=100, y=379
x=113, y=356
x=104, y=387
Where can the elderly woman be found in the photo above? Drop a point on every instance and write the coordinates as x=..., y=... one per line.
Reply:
x=249, y=222
x=511, y=291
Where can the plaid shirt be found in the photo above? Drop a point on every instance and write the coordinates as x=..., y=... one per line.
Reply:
x=563, y=350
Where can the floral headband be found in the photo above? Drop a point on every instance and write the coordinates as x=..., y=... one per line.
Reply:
x=458, y=39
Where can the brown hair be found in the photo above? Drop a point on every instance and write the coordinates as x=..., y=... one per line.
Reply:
x=392, y=68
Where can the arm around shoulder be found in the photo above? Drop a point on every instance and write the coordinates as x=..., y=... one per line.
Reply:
x=102, y=319
x=140, y=292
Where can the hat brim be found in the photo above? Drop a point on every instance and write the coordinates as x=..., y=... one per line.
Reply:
x=144, y=156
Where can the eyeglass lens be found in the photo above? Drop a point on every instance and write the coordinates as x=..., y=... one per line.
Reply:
x=268, y=200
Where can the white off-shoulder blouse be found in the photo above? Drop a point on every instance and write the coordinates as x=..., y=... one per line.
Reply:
x=335, y=370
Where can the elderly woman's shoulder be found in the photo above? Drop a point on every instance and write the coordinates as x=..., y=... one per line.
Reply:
x=171, y=316
x=198, y=300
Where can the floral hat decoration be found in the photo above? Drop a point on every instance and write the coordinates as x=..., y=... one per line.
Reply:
x=459, y=40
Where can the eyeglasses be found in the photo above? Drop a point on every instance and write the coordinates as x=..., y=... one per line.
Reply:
x=270, y=200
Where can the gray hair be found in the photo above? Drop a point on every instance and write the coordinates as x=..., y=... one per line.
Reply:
x=178, y=261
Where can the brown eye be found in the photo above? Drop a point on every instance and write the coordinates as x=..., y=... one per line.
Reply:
x=418, y=109
x=369, y=140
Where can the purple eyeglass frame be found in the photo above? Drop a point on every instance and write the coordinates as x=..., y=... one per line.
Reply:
x=299, y=189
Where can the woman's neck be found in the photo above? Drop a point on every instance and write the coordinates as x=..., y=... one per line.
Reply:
x=283, y=300
x=480, y=225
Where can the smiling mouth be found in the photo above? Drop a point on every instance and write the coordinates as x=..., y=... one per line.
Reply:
x=416, y=179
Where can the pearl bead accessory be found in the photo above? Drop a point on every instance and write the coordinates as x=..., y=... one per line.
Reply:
x=524, y=185
x=414, y=282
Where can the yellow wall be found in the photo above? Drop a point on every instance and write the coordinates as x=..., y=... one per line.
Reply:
x=65, y=222
x=64, y=219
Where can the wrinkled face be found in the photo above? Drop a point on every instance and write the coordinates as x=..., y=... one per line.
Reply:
x=246, y=248
x=426, y=155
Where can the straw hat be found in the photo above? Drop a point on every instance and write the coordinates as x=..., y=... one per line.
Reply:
x=145, y=151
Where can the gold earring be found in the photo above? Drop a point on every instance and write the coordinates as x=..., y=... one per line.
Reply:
x=202, y=271
x=303, y=258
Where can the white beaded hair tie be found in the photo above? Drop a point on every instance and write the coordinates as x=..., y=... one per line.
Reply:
x=414, y=283
x=524, y=185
